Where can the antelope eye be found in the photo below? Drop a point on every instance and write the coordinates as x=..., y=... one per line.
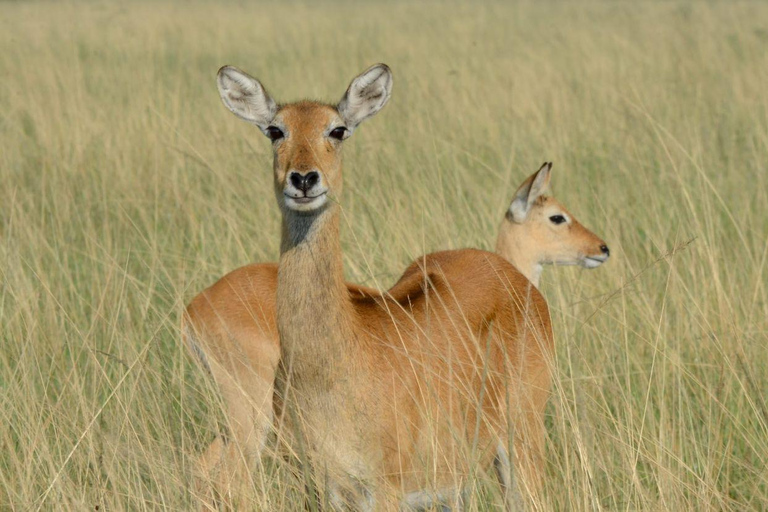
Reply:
x=557, y=219
x=274, y=133
x=338, y=133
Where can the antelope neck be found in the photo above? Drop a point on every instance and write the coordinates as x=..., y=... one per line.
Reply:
x=313, y=306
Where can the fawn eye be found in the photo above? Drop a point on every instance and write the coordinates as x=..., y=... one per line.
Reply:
x=274, y=133
x=338, y=133
x=557, y=219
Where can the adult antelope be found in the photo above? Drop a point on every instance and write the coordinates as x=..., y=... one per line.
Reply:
x=232, y=325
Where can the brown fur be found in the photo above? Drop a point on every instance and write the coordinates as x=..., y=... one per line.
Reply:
x=231, y=327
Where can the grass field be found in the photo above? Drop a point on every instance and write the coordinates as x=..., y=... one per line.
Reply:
x=126, y=188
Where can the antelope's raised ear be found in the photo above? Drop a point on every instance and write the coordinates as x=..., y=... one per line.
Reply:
x=246, y=97
x=529, y=191
x=366, y=95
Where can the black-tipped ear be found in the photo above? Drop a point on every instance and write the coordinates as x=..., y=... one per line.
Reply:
x=366, y=95
x=530, y=190
x=245, y=97
x=540, y=182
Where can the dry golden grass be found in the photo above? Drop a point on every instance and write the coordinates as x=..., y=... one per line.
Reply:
x=127, y=187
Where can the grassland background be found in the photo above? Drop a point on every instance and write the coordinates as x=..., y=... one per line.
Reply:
x=126, y=188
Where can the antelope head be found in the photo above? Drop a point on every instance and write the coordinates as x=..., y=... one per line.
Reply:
x=538, y=230
x=307, y=136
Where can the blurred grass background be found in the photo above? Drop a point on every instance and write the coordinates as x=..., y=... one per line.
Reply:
x=126, y=188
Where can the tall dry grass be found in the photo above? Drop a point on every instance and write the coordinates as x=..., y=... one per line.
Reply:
x=126, y=188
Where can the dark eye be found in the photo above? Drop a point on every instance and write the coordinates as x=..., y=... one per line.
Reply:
x=274, y=133
x=338, y=133
x=557, y=219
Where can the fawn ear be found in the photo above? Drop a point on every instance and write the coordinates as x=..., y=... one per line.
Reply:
x=366, y=95
x=246, y=97
x=533, y=187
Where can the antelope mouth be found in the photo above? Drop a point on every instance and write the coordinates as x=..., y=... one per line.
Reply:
x=593, y=261
x=304, y=203
x=305, y=199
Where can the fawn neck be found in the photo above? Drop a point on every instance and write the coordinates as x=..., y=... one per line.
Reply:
x=514, y=247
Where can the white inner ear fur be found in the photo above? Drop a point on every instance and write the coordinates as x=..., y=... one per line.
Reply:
x=366, y=95
x=245, y=97
x=519, y=209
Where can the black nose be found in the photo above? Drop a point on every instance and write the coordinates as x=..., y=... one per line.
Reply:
x=605, y=250
x=304, y=182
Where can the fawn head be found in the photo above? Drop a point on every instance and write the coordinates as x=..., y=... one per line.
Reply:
x=307, y=136
x=538, y=230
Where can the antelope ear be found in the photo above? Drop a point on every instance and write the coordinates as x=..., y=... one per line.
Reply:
x=533, y=187
x=366, y=95
x=246, y=97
